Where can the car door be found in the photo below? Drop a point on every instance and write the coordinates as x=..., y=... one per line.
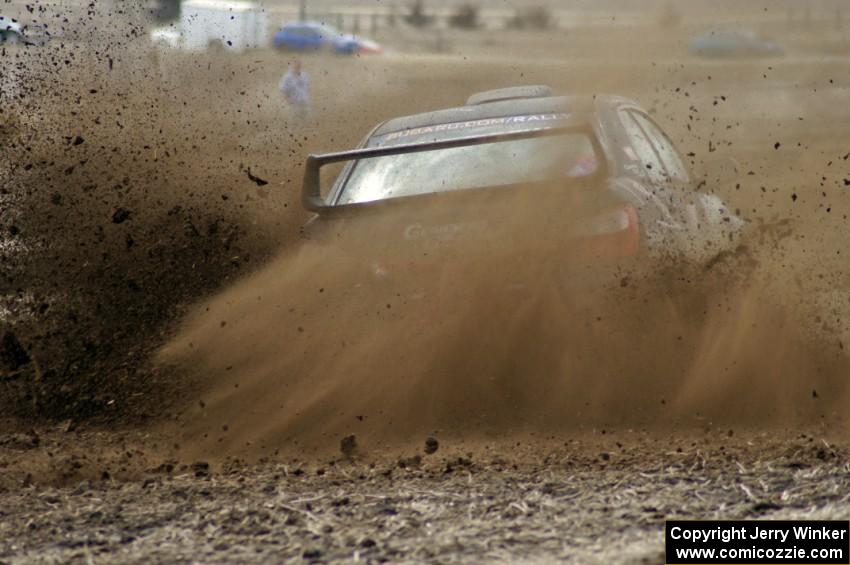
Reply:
x=648, y=173
x=300, y=38
x=652, y=149
x=703, y=220
x=288, y=37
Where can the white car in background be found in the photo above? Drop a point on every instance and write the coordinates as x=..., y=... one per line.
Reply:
x=11, y=31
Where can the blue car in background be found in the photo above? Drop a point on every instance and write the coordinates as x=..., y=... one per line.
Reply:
x=315, y=36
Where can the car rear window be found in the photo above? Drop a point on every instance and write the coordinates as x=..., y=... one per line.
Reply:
x=567, y=156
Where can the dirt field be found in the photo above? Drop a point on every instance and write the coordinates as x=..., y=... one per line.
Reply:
x=583, y=498
x=183, y=378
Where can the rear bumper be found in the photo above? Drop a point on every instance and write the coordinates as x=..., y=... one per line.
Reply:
x=591, y=255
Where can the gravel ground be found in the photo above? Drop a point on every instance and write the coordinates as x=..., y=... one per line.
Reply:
x=594, y=497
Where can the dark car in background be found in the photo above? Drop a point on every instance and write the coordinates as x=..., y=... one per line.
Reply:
x=734, y=43
x=596, y=175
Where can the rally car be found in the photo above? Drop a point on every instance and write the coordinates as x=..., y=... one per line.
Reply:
x=517, y=171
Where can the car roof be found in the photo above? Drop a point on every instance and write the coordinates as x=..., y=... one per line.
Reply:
x=579, y=110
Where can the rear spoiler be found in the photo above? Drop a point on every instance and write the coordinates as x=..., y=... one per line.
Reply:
x=311, y=197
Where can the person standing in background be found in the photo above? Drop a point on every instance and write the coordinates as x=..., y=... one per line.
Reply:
x=295, y=87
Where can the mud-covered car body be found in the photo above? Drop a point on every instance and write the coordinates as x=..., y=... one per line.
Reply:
x=596, y=175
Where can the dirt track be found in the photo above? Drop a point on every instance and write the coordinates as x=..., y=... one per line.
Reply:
x=583, y=498
x=757, y=428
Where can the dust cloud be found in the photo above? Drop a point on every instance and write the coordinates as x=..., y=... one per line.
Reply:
x=363, y=334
